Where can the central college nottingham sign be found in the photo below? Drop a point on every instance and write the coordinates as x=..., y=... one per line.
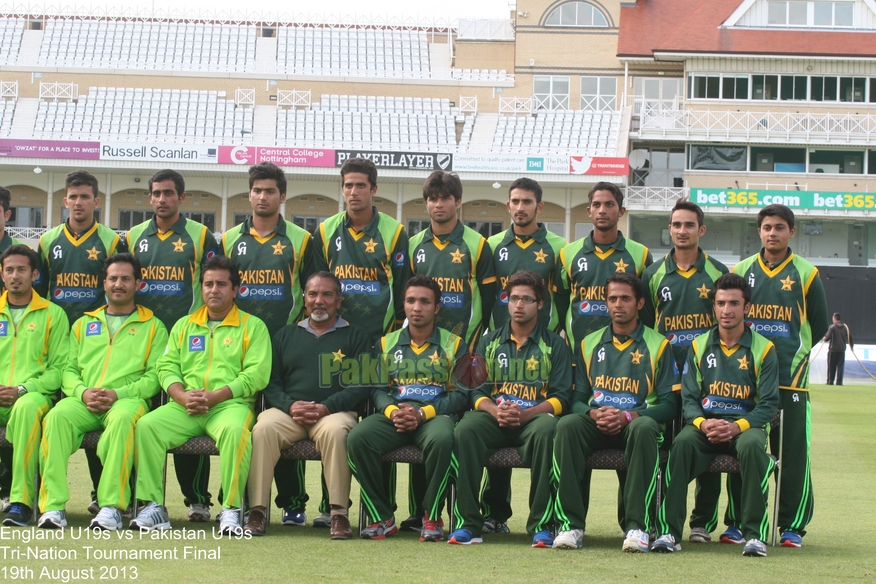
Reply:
x=291, y=157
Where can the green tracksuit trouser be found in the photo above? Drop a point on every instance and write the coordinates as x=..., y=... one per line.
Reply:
x=228, y=423
x=375, y=436
x=477, y=436
x=63, y=429
x=23, y=421
x=691, y=455
x=576, y=438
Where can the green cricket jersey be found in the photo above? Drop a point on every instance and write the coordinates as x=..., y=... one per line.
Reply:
x=420, y=376
x=629, y=373
x=677, y=302
x=789, y=307
x=739, y=384
x=462, y=264
x=583, y=268
x=537, y=253
x=171, y=263
x=6, y=241
x=273, y=270
x=372, y=266
x=526, y=372
x=71, y=274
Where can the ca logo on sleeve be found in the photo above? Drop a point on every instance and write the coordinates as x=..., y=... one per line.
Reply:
x=196, y=343
x=93, y=329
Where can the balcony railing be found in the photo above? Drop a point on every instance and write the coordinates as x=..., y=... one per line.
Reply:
x=758, y=126
x=661, y=197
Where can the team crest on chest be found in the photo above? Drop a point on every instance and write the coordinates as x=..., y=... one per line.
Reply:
x=637, y=357
x=370, y=245
x=457, y=256
x=540, y=256
x=278, y=248
x=621, y=266
x=93, y=252
x=179, y=245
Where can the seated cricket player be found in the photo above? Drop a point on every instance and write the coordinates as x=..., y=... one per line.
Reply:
x=214, y=365
x=110, y=375
x=529, y=384
x=729, y=394
x=626, y=387
x=33, y=345
x=314, y=391
x=418, y=405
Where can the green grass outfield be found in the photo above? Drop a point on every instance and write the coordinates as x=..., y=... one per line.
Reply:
x=837, y=548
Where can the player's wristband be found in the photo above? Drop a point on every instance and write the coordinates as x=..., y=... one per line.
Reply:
x=629, y=417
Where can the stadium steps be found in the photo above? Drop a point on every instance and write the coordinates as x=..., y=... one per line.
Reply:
x=266, y=54
x=264, y=124
x=440, y=60
x=25, y=117
x=482, y=135
x=29, y=52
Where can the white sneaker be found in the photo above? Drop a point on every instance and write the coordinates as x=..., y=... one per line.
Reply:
x=53, y=520
x=229, y=522
x=699, y=535
x=666, y=544
x=108, y=519
x=199, y=512
x=323, y=520
x=569, y=540
x=4, y=505
x=755, y=548
x=636, y=541
x=152, y=516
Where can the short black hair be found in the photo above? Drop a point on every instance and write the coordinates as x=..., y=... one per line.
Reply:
x=526, y=278
x=268, y=171
x=168, y=174
x=606, y=186
x=527, y=184
x=776, y=211
x=328, y=276
x=731, y=281
x=124, y=258
x=79, y=178
x=421, y=281
x=21, y=249
x=5, y=198
x=218, y=262
x=361, y=165
x=836, y=315
x=628, y=279
x=442, y=183
x=686, y=205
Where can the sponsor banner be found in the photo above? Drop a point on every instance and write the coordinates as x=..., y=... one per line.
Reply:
x=449, y=300
x=793, y=199
x=770, y=328
x=592, y=308
x=260, y=292
x=370, y=288
x=684, y=338
x=161, y=287
x=50, y=149
x=419, y=392
x=624, y=401
x=199, y=153
x=513, y=399
x=723, y=405
x=404, y=160
x=601, y=165
x=516, y=164
x=75, y=294
x=249, y=155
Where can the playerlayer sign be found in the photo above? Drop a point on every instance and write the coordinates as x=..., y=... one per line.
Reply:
x=402, y=160
x=313, y=157
x=50, y=149
x=792, y=199
x=158, y=152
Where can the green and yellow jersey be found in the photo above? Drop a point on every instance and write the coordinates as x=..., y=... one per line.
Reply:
x=273, y=270
x=71, y=274
x=462, y=264
x=525, y=371
x=419, y=375
x=372, y=266
x=677, y=302
x=635, y=372
x=789, y=307
x=171, y=263
x=583, y=268
x=537, y=253
x=739, y=384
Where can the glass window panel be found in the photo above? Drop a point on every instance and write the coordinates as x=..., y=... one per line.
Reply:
x=670, y=88
x=777, y=13
x=873, y=90
x=797, y=13
x=823, y=14
x=590, y=85
x=787, y=92
x=553, y=18
x=771, y=87
x=713, y=85
x=704, y=157
x=800, y=86
x=757, y=83
x=585, y=15
x=659, y=159
x=844, y=14
x=816, y=92
x=830, y=88
x=859, y=88
x=742, y=88
x=608, y=85
x=599, y=18
x=728, y=88
x=561, y=85
x=541, y=84
x=570, y=14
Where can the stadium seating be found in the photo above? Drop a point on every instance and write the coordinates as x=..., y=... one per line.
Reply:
x=593, y=133
x=144, y=44
x=371, y=122
x=167, y=115
x=7, y=110
x=365, y=53
x=11, y=31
